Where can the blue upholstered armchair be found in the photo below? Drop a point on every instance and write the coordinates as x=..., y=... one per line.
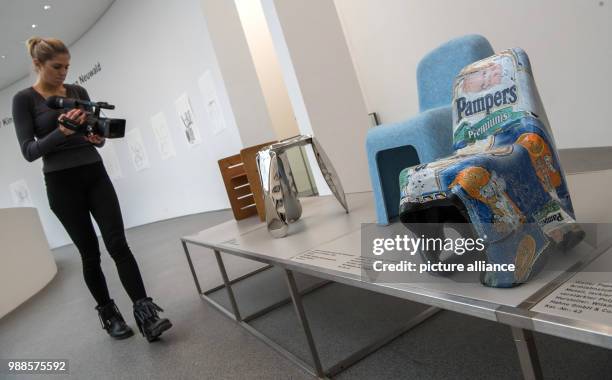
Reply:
x=428, y=135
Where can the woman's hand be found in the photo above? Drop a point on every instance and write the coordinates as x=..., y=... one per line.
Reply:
x=95, y=139
x=77, y=115
x=65, y=131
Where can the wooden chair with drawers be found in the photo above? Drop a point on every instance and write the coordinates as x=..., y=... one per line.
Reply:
x=242, y=183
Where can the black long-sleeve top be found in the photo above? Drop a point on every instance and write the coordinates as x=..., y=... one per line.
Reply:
x=37, y=130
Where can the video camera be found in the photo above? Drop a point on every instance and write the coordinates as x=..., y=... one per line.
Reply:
x=102, y=126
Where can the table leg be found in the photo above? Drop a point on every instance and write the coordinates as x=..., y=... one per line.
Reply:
x=238, y=279
x=193, y=273
x=299, y=310
x=527, y=353
x=228, y=286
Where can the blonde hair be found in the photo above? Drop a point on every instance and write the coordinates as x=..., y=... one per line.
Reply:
x=44, y=49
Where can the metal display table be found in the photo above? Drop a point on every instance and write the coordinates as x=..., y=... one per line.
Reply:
x=326, y=240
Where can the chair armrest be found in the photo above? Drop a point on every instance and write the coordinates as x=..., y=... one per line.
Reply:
x=430, y=132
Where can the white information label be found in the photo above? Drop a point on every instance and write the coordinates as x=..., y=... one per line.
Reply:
x=140, y=159
x=211, y=102
x=339, y=261
x=188, y=124
x=111, y=161
x=21, y=194
x=165, y=145
x=586, y=296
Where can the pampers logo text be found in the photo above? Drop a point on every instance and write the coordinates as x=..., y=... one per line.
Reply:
x=485, y=103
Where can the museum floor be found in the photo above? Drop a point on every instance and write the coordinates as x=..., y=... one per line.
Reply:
x=60, y=323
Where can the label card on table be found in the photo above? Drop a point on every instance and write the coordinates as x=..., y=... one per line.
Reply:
x=586, y=296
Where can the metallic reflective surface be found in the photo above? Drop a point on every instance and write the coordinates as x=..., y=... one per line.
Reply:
x=278, y=185
x=329, y=173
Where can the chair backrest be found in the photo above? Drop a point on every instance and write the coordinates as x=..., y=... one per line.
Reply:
x=237, y=187
x=491, y=92
x=438, y=69
x=249, y=161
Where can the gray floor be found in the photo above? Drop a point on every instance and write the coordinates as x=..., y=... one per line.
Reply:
x=60, y=322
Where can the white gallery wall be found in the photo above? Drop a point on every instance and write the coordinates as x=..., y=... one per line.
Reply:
x=149, y=57
x=322, y=84
x=568, y=41
x=268, y=68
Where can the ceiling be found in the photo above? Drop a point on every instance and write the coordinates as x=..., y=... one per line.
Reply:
x=67, y=20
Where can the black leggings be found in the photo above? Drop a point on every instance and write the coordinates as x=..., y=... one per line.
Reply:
x=75, y=193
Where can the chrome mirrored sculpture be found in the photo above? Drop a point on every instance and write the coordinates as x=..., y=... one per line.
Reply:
x=279, y=190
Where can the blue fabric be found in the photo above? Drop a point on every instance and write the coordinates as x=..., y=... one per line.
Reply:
x=438, y=69
x=427, y=136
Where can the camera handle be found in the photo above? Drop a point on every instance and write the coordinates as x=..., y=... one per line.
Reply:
x=72, y=125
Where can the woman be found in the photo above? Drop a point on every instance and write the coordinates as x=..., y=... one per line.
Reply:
x=77, y=185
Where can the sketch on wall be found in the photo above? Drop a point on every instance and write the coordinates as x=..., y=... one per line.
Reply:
x=185, y=113
x=140, y=159
x=165, y=145
x=111, y=161
x=21, y=194
x=211, y=102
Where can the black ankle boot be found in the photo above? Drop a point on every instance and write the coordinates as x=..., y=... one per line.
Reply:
x=151, y=326
x=113, y=322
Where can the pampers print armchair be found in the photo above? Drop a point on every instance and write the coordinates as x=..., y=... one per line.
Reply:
x=504, y=176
